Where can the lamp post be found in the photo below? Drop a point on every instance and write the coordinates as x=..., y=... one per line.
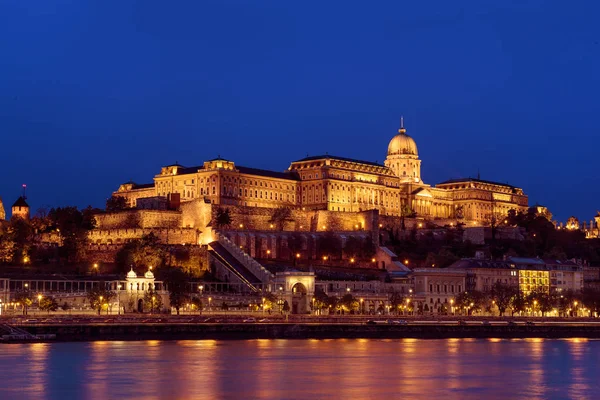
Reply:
x=280, y=301
x=100, y=305
x=362, y=309
x=263, y=306
x=119, y=299
x=39, y=302
x=209, y=303
x=452, y=306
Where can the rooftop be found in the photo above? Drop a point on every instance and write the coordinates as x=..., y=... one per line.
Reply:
x=327, y=156
x=20, y=202
x=465, y=180
x=267, y=173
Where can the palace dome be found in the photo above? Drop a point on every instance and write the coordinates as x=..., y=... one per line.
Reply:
x=402, y=144
x=131, y=274
x=149, y=275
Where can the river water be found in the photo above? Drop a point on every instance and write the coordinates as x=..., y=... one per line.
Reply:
x=303, y=369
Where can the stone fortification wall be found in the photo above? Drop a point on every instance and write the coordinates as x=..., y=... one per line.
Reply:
x=139, y=219
x=169, y=236
x=261, y=219
x=196, y=214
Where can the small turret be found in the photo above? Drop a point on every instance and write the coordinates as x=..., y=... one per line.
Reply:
x=20, y=209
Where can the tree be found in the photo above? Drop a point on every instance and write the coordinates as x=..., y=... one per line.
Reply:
x=66, y=306
x=197, y=303
x=396, y=300
x=116, y=203
x=519, y=303
x=224, y=306
x=176, y=281
x=321, y=300
x=471, y=301
x=270, y=301
x=144, y=252
x=503, y=295
x=540, y=301
x=24, y=298
x=349, y=303
x=99, y=296
x=279, y=216
x=73, y=226
x=223, y=218
x=591, y=299
x=152, y=300
x=48, y=303
x=286, y=307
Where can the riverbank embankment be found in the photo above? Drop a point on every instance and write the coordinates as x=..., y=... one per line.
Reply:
x=237, y=331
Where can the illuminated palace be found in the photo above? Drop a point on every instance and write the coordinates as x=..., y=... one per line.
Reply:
x=336, y=184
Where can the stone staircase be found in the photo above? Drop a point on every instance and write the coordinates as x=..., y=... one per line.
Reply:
x=261, y=273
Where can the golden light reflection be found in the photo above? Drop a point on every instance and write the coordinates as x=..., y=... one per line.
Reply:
x=350, y=368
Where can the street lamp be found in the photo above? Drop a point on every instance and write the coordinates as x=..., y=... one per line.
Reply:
x=209, y=301
x=452, y=306
x=119, y=286
x=362, y=306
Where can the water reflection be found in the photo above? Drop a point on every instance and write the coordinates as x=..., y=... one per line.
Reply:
x=265, y=369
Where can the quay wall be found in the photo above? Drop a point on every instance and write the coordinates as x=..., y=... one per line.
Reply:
x=180, y=331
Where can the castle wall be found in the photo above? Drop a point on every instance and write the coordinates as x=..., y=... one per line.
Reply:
x=139, y=219
x=165, y=235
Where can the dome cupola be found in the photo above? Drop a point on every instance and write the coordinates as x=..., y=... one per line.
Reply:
x=402, y=143
x=403, y=157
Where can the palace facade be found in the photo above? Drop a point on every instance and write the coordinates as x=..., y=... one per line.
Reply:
x=333, y=183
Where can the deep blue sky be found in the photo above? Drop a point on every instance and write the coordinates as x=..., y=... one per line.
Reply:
x=94, y=93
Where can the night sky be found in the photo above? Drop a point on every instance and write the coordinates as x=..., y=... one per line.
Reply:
x=95, y=93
